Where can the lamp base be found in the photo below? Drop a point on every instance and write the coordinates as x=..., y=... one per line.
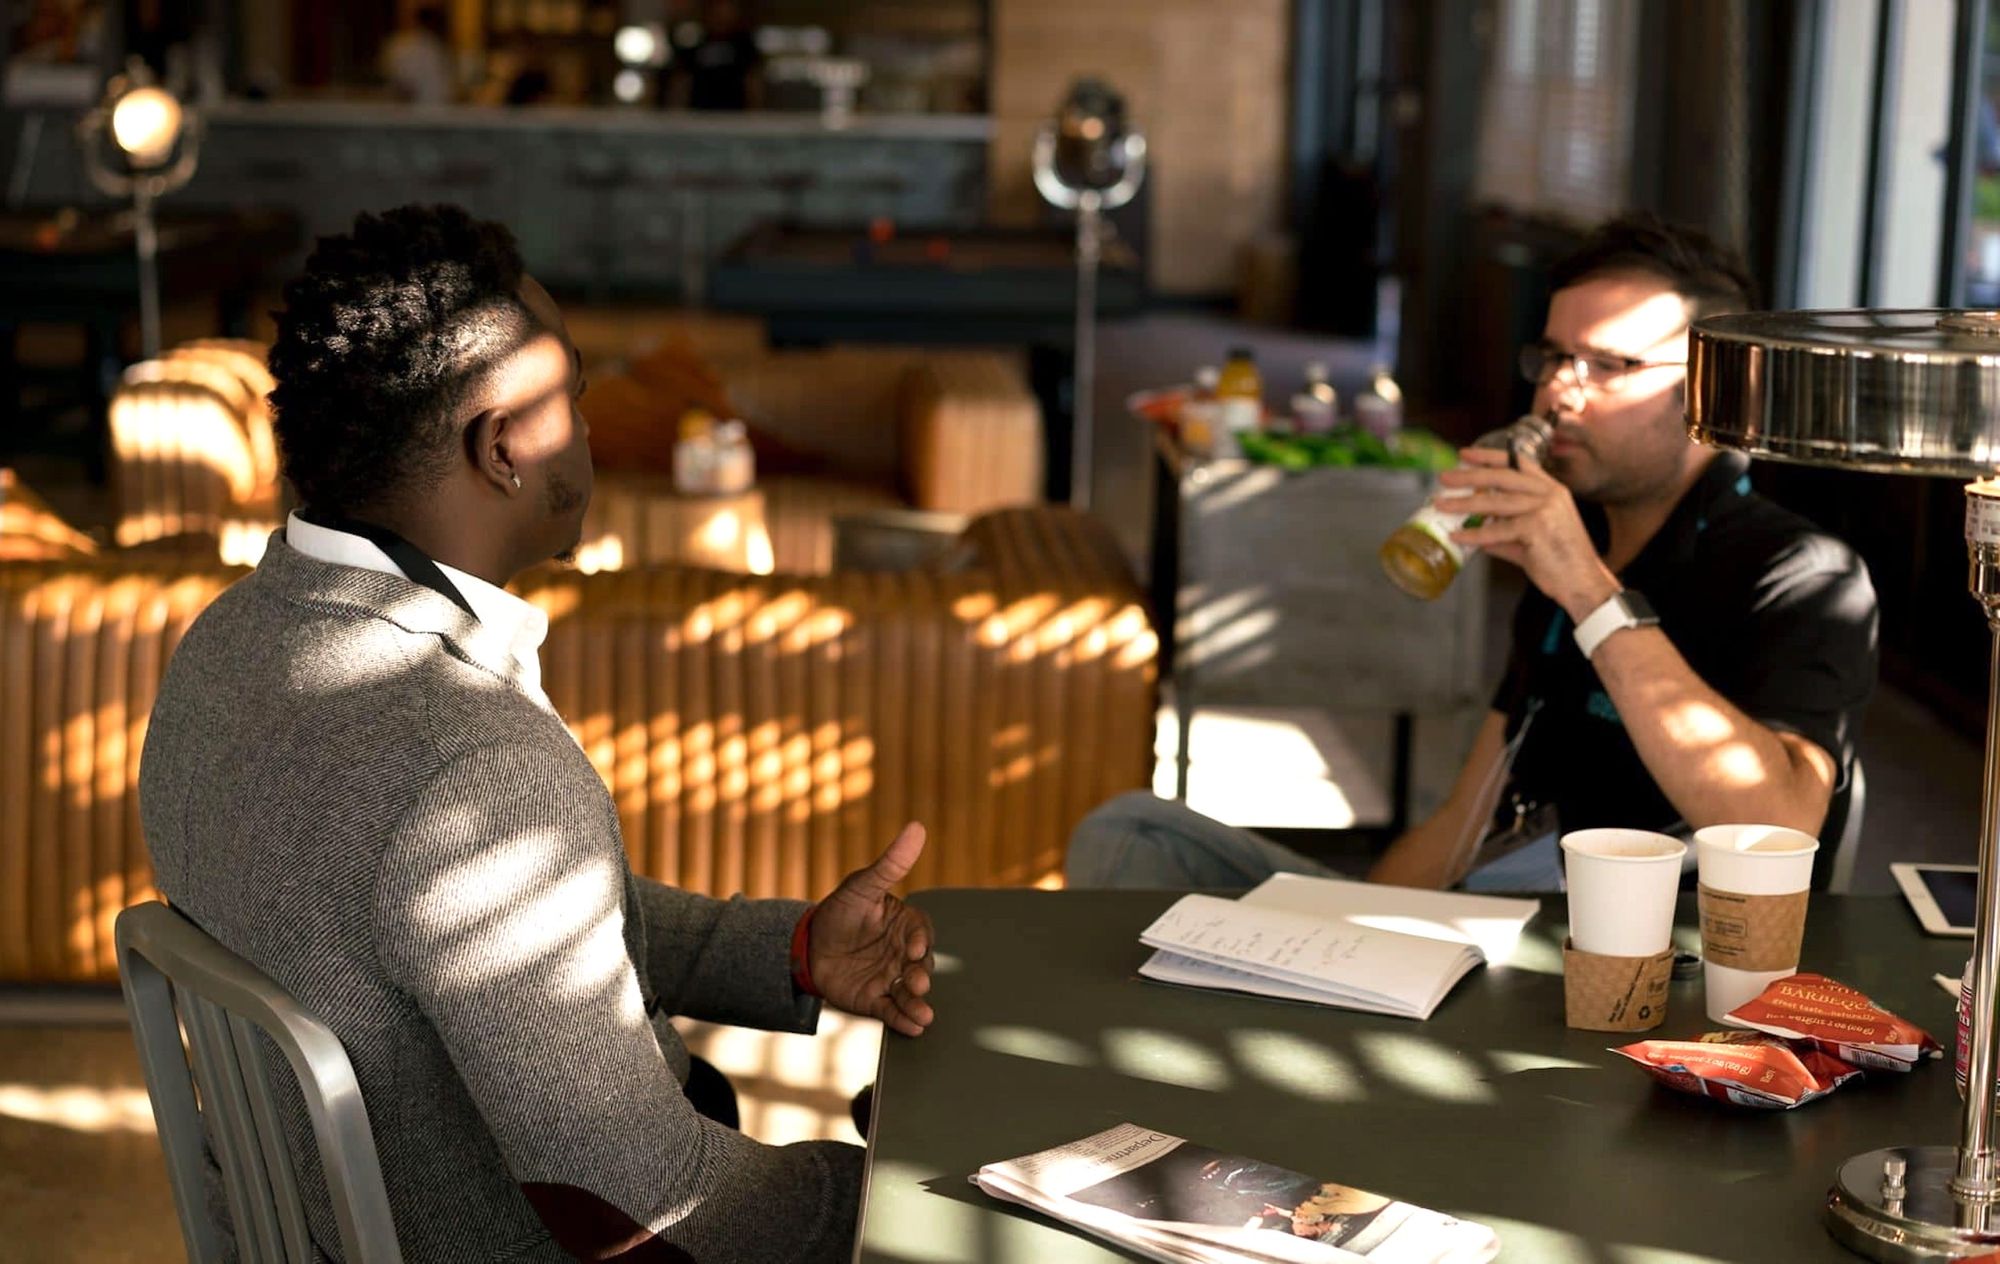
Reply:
x=1927, y=1222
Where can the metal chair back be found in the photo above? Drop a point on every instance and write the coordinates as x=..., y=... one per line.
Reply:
x=180, y=984
x=1847, y=849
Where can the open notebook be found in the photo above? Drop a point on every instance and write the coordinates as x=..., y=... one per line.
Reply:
x=1356, y=945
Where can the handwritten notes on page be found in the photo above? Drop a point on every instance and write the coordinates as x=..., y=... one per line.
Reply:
x=1331, y=956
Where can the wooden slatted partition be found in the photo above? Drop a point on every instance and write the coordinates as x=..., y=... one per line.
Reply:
x=81, y=645
x=793, y=724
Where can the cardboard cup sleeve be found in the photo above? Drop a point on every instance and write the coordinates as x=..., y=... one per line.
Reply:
x=1615, y=993
x=1752, y=932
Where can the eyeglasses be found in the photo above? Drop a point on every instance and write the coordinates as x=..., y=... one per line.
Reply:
x=1541, y=361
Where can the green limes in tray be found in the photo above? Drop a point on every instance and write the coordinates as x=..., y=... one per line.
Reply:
x=1347, y=446
x=1283, y=451
x=1422, y=450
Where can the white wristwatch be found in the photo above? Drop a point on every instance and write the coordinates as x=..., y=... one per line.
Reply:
x=1623, y=609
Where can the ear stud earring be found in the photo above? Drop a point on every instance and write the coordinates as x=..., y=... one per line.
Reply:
x=517, y=481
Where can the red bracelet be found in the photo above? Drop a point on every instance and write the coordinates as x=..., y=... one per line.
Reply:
x=802, y=978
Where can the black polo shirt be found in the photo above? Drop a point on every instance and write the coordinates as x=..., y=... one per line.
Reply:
x=1772, y=613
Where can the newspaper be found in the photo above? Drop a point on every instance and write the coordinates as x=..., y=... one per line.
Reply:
x=1168, y=1199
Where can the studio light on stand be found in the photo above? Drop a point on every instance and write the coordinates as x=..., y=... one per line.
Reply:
x=140, y=142
x=1914, y=392
x=1089, y=161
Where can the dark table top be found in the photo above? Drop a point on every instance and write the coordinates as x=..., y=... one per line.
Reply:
x=962, y=250
x=965, y=285
x=1492, y=1110
x=46, y=272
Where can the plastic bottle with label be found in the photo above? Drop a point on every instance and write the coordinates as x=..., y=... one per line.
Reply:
x=1239, y=392
x=735, y=470
x=1198, y=421
x=1379, y=408
x=1316, y=409
x=1420, y=556
x=694, y=453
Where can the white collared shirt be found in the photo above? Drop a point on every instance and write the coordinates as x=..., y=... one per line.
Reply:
x=521, y=626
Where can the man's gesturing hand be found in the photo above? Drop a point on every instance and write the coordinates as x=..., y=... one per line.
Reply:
x=1531, y=521
x=869, y=952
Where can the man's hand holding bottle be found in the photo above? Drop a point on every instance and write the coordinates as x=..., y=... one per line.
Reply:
x=1528, y=518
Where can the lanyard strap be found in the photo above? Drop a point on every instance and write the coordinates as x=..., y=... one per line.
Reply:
x=414, y=563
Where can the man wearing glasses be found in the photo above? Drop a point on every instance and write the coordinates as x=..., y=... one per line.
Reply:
x=1688, y=653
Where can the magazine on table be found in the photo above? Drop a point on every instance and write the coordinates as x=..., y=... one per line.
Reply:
x=1170, y=1199
x=1356, y=945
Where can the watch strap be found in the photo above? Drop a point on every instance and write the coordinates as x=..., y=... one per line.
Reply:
x=1620, y=610
x=801, y=954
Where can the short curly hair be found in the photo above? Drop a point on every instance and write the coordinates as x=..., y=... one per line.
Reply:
x=1709, y=274
x=379, y=340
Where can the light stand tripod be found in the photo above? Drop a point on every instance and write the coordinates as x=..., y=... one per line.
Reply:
x=160, y=143
x=1086, y=160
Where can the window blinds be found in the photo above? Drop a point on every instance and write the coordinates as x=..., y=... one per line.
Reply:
x=1555, y=135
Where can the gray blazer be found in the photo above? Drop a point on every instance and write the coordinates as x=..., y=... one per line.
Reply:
x=346, y=783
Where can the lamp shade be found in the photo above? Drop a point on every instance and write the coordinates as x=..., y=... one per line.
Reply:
x=1910, y=391
x=145, y=122
x=1090, y=136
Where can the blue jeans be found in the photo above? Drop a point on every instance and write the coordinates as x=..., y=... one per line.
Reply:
x=1137, y=840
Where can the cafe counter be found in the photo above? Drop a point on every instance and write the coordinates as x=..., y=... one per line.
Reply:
x=603, y=200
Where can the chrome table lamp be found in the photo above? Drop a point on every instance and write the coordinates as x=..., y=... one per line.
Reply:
x=1913, y=392
x=1087, y=160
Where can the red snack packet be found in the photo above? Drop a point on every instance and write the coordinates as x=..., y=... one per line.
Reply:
x=1835, y=1019
x=1741, y=1069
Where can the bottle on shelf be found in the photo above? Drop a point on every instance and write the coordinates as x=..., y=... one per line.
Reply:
x=1379, y=408
x=735, y=469
x=1239, y=392
x=1198, y=420
x=1420, y=556
x=694, y=453
x=1316, y=408
x=713, y=458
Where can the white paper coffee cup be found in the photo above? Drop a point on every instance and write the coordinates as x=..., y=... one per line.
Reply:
x=1622, y=884
x=1725, y=989
x=1754, y=861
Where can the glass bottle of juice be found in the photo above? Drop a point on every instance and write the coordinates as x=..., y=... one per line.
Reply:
x=1420, y=556
x=1239, y=392
x=1198, y=421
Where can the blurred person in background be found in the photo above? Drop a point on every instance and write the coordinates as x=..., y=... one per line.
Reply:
x=416, y=59
x=724, y=69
